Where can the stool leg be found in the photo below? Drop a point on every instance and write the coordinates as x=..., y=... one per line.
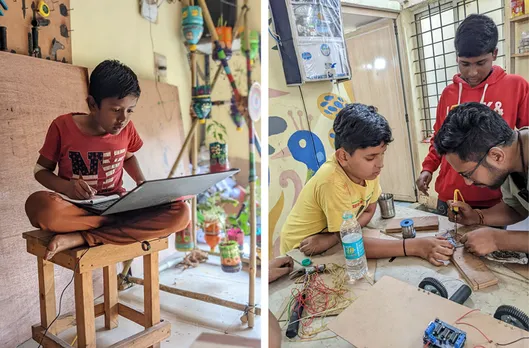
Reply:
x=48, y=310
x=84, y=310
x=151, y=290
x=110, y=280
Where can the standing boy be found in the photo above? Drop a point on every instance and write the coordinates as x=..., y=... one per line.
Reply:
x=91, y=152
x=479, y=80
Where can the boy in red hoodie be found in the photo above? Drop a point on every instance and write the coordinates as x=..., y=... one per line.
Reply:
x=479, y=81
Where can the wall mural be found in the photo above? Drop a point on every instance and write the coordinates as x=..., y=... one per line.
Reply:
x=296, y=131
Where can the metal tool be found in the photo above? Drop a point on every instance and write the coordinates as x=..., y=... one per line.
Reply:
x=35, y=36
x=55, y=46
x=3, y=5
x=24, y=8
x=456, y=209
x=40, y=22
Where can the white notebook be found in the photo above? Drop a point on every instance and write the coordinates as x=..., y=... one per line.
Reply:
x=94, y=200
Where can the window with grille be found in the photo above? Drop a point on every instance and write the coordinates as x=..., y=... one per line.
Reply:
x=434, y=56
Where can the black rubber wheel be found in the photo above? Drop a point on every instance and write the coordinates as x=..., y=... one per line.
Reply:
x=512, y=315
x=434, y=286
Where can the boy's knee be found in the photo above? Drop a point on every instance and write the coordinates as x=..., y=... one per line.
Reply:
x=38, y=209
x=182, y=215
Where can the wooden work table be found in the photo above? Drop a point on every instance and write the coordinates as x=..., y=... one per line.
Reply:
x=512, y=289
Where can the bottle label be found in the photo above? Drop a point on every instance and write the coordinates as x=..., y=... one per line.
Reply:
x=355, y=250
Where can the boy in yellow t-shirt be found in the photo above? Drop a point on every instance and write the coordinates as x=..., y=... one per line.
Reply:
x=349, y=181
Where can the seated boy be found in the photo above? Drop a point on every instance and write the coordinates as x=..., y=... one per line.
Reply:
x=91, y=152
x=349, y=181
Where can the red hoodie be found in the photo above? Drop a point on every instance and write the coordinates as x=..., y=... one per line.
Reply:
x=506, y=94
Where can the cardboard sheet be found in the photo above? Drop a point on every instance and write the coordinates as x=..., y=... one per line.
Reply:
x=395, y=314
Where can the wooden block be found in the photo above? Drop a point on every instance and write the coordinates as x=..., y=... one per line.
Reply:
x=84, y=310
x=46, y=294
x=395, y=314
x=151, y=290
x=50, y=340
x=110, y=282
x=475, y=271
x=131, y=314
x=142, y=339
x=422, y=223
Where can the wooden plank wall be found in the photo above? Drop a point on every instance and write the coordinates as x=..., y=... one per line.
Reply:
x=18, y=28
x=32, y=93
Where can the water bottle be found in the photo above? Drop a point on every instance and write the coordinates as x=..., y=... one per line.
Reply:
x=353, y=246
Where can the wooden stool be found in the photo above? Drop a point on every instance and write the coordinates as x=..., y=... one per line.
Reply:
x=106, y=257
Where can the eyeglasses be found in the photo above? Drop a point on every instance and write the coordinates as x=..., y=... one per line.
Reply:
x=469, y=174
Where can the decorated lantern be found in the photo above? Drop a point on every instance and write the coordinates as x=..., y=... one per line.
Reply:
x=235, y=114
x=202, y=102
x=229, y=257
x=192, y=25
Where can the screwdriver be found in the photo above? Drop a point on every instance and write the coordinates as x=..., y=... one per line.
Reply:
x=456, y=209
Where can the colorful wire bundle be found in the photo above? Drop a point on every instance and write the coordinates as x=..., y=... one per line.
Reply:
x=317, y=298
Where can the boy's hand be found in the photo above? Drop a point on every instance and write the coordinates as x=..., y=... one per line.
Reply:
x=318, y=243
x=465, y=216
x=423, y=182
x=432, y=249
x=79, y=189
x=279, y=267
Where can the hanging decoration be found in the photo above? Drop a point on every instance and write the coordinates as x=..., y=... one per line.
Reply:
x=192, y=25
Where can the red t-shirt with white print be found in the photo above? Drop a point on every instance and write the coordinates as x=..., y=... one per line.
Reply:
x=98, y=160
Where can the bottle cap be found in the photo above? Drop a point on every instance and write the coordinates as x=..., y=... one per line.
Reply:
x=306, y=262
x=347, y=215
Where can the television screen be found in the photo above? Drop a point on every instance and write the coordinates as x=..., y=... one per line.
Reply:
x=226, y=8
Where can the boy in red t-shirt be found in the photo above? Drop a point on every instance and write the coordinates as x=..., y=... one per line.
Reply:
x=91, y=152
x=476, y=43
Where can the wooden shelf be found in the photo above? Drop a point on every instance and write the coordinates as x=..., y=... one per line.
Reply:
x=520, y=18
x=520, y=55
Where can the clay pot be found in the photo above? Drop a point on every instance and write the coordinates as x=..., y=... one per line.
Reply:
x=229, y=257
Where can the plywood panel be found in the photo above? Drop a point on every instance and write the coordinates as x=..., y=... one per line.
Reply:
x=377, y=81
x=18, y=28
x=395, y=314
x=32, y=93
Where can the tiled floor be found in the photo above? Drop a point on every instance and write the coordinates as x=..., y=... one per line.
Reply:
x=188, y=317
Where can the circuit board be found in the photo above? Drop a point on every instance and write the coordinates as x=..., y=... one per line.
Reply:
x=439, y=334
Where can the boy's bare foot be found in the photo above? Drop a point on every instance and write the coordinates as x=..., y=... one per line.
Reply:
x=318, y=243
x=62, y=242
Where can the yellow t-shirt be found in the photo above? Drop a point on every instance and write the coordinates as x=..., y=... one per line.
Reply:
x=322, y=202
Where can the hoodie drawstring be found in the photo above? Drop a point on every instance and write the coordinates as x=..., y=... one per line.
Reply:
x=484, y=91
x=461, y=93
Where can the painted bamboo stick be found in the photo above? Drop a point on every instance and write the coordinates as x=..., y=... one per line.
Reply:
x=251, y=179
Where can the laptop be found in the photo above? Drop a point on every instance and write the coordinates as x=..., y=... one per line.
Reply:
x=159, y=192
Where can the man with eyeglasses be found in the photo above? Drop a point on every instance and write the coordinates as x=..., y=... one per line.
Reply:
x=486, y=152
